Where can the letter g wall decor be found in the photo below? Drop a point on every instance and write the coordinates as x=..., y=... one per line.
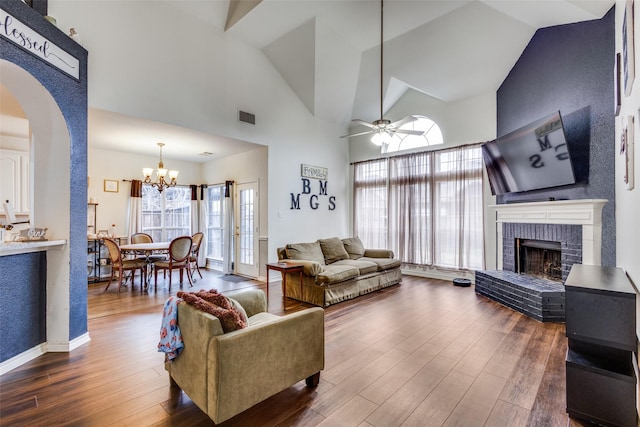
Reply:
x=317, y=196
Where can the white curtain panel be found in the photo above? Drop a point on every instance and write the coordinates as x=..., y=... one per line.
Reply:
x=227, y=259
x=134, y=218
x=370, y=203
x=204, y=214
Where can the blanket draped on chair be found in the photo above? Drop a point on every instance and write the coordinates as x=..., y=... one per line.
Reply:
x=170, y=337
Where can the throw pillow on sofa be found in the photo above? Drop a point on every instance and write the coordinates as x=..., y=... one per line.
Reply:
x=333, y=250
x=354, y=247
x=306, y=251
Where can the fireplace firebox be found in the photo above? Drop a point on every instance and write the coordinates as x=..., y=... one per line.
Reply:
x=539, y=258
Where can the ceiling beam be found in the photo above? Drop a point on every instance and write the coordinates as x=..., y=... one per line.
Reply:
x=237, y=10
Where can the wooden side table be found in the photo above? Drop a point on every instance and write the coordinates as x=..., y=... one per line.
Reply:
x=284, y=268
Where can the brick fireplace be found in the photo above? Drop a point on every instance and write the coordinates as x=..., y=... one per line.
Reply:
x=560, y=234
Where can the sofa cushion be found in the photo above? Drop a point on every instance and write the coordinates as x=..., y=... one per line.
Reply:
x=383, y=263
x=363, y=266
x=333, y=250
x=306, y=251
x=336, y=273
x=354, y=247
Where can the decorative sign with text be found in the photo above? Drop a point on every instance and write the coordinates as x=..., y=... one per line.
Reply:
x=22, y=35
x=317, y=196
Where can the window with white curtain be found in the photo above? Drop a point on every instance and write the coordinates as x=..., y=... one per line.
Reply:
x=427, y=207
x=370, y=203
x=167, y=214
x=215, y=222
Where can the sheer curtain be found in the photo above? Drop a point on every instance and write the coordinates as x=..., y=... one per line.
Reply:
x=410, y=223
x=195, y=218
x=204, y=214
x=370, y=203
x=458, y=208
x=134, y=219
x=228, y=255
x=427, y=207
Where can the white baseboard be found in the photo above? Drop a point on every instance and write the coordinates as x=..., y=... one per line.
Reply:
x=66, y=347
x=22, y=358
x=439, y=274
x=41, y=349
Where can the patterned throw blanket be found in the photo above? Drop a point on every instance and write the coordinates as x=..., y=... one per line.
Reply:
x=170, y=337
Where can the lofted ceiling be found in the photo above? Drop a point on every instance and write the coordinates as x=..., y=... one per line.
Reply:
x=328, y=52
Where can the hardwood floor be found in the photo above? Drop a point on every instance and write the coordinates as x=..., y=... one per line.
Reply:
x=424, y=353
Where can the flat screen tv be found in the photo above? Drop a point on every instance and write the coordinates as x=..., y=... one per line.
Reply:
x=533, y=157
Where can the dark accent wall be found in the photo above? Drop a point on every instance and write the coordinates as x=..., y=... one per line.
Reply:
x=71, y=96
x=23, y=302
x=569, y=68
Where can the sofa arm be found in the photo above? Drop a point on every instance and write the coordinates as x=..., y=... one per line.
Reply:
x=309, y=268
x=378, y=253
x=252, y=300
x=249, y=365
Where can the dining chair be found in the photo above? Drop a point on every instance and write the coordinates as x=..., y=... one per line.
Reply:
x=179, y=252
x=122, y=265
x=195, y=251
x=146, y=238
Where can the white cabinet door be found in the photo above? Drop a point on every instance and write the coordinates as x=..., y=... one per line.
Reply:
x=14, y=179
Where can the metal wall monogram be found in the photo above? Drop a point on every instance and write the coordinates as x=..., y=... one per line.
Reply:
x=316, y=198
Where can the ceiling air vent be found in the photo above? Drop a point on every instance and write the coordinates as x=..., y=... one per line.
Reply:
x=243, y=116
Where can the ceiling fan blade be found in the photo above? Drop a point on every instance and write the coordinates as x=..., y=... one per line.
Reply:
x=363, y=123
x=403, y=121
x=357, y=134
x=410, y=132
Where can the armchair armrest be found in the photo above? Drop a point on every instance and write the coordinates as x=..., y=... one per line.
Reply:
x=253, y=301
x=378, y=253
x=248, y=365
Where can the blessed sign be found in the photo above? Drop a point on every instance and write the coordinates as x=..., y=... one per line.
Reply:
x=22, y=35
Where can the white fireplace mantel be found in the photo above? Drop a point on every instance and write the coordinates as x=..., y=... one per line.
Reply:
x=585, y=212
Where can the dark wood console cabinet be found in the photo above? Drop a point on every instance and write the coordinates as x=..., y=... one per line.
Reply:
x=600, y=306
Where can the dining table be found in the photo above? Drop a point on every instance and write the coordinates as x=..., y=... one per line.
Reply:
x=148, y=249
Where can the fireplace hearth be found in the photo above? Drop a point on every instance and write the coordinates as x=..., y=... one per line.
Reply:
x=537, y=243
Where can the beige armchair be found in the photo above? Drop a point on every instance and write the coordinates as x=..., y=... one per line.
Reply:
x=226, y=373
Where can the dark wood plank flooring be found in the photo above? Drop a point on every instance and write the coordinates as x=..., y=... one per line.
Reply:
x=424, y=353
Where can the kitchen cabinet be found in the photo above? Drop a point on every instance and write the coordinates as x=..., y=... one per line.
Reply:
x=15, y=180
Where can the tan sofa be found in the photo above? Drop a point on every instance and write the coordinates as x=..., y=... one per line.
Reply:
x=227, y=373
x=336, y=270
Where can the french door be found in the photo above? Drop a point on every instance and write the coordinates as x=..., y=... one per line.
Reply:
x=246, y=225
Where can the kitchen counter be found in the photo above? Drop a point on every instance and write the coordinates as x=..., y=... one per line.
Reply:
x=13, y=248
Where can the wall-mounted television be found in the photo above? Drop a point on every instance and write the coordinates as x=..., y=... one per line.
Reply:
x=533, y=157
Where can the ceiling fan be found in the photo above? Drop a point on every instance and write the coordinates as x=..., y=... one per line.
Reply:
x=382, y=129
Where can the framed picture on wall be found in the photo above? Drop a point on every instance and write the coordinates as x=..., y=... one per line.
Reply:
x=628, y=56
x=111, y=186
x=617, y=82
x=627, y=152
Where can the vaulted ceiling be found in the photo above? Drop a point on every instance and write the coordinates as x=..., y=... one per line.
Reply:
x=328, y=51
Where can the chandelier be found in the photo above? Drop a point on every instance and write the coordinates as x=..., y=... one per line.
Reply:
x=161, y=173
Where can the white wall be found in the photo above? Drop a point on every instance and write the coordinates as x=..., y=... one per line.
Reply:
x=628, y=201
x=151, y=61
x=251, y=166
x=116, y=165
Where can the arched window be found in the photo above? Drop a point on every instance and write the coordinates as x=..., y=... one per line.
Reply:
x=432, y=135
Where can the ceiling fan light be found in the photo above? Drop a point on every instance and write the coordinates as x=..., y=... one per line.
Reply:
x=377, y=138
